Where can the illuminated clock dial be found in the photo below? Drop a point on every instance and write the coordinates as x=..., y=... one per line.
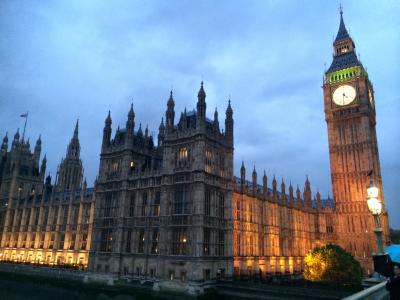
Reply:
x=344, y=95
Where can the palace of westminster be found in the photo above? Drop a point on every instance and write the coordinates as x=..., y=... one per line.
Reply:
x=173, y=210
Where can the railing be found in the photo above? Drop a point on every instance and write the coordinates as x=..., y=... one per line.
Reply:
x=375, y=292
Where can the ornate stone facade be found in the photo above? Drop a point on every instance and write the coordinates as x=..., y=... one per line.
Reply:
x=42, y=223
x=273, y=230
x=164, y=211
x=174, y=211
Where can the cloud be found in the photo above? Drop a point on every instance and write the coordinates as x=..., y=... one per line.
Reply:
x=68, y=59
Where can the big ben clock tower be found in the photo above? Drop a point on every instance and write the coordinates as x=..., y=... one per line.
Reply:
x=353, y=149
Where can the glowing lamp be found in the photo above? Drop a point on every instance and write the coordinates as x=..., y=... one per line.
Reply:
x=372, y=190
x=374, y=206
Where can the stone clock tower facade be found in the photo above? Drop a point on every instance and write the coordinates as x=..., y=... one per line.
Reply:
x=353, y=149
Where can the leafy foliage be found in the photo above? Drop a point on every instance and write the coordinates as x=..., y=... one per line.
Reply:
x=331, y=263
x=395, y=236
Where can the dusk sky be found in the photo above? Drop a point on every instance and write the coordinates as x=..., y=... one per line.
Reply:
x=63, y=60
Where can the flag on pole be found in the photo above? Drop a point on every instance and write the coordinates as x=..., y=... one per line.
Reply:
x=24, y=115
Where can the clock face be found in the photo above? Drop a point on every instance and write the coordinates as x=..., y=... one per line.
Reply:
x=344, y=95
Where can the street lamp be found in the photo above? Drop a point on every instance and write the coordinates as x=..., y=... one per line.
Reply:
x=375, y=207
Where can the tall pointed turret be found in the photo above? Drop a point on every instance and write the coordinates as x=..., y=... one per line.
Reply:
x=344, y=53
x=4, y=145
x=38, y=149
x=74, y=147
x=70, y=170
x=15, y=142
x=216, y=123
x=274, y=183
x=342, y=32
x=265, y=184
x=107, y=131
x=254, y=178
x=242, y=177
x=76, y=129
x=130, y=126
x=170, y=114
x=130, y=123
x=299, y=202
x=161, y=133
x=283, y=190
x=43, y=166
x=229, y=122
x=307, y=193
x=201, y=103
x=291, y=195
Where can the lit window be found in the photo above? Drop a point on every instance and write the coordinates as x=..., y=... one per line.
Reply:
x=154, y=245
x=183, y=153
x=208, y=162
x=179, y=241
x=141, y=242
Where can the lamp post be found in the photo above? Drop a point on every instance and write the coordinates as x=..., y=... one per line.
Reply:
x=375, y=207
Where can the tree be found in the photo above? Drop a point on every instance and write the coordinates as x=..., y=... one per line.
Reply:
x=395, y=236
x=331, y=263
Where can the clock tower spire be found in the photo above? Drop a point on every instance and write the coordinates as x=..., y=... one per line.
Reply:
x=353, y=149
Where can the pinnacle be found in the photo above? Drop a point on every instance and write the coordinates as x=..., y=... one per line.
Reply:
x=342, y=32
x=76, y=129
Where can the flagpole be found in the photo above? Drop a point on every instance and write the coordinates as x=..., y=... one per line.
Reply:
x=26, y=120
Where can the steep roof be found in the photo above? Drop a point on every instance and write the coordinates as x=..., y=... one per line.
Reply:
x=342, y=33
x=346, y=60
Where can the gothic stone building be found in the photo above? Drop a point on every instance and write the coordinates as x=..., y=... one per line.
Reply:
x=273, y=230
x=42, y=223
x=164, y=210
x=174, y=211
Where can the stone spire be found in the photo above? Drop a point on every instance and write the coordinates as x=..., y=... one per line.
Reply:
x=344, y=50
x=201, y=103
x=130, y=123
x=161, y=133
x=229, y=122
x=274, y=183
x=307, y=193
x=265, y=184
x=76, y=129
x=74, y=148
x=70, y=170
x=283, y=190
x=254, y=178
x=38, y=149
x=216, y=123
x=342, y=32
x=243, y=173
x=291, y=196
x=4, y=145
x=170, y=113
x=15, y=142
x=140, y=132
x=299, y=202
x=43, y=166
x=107, y=131
x=318, y=200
